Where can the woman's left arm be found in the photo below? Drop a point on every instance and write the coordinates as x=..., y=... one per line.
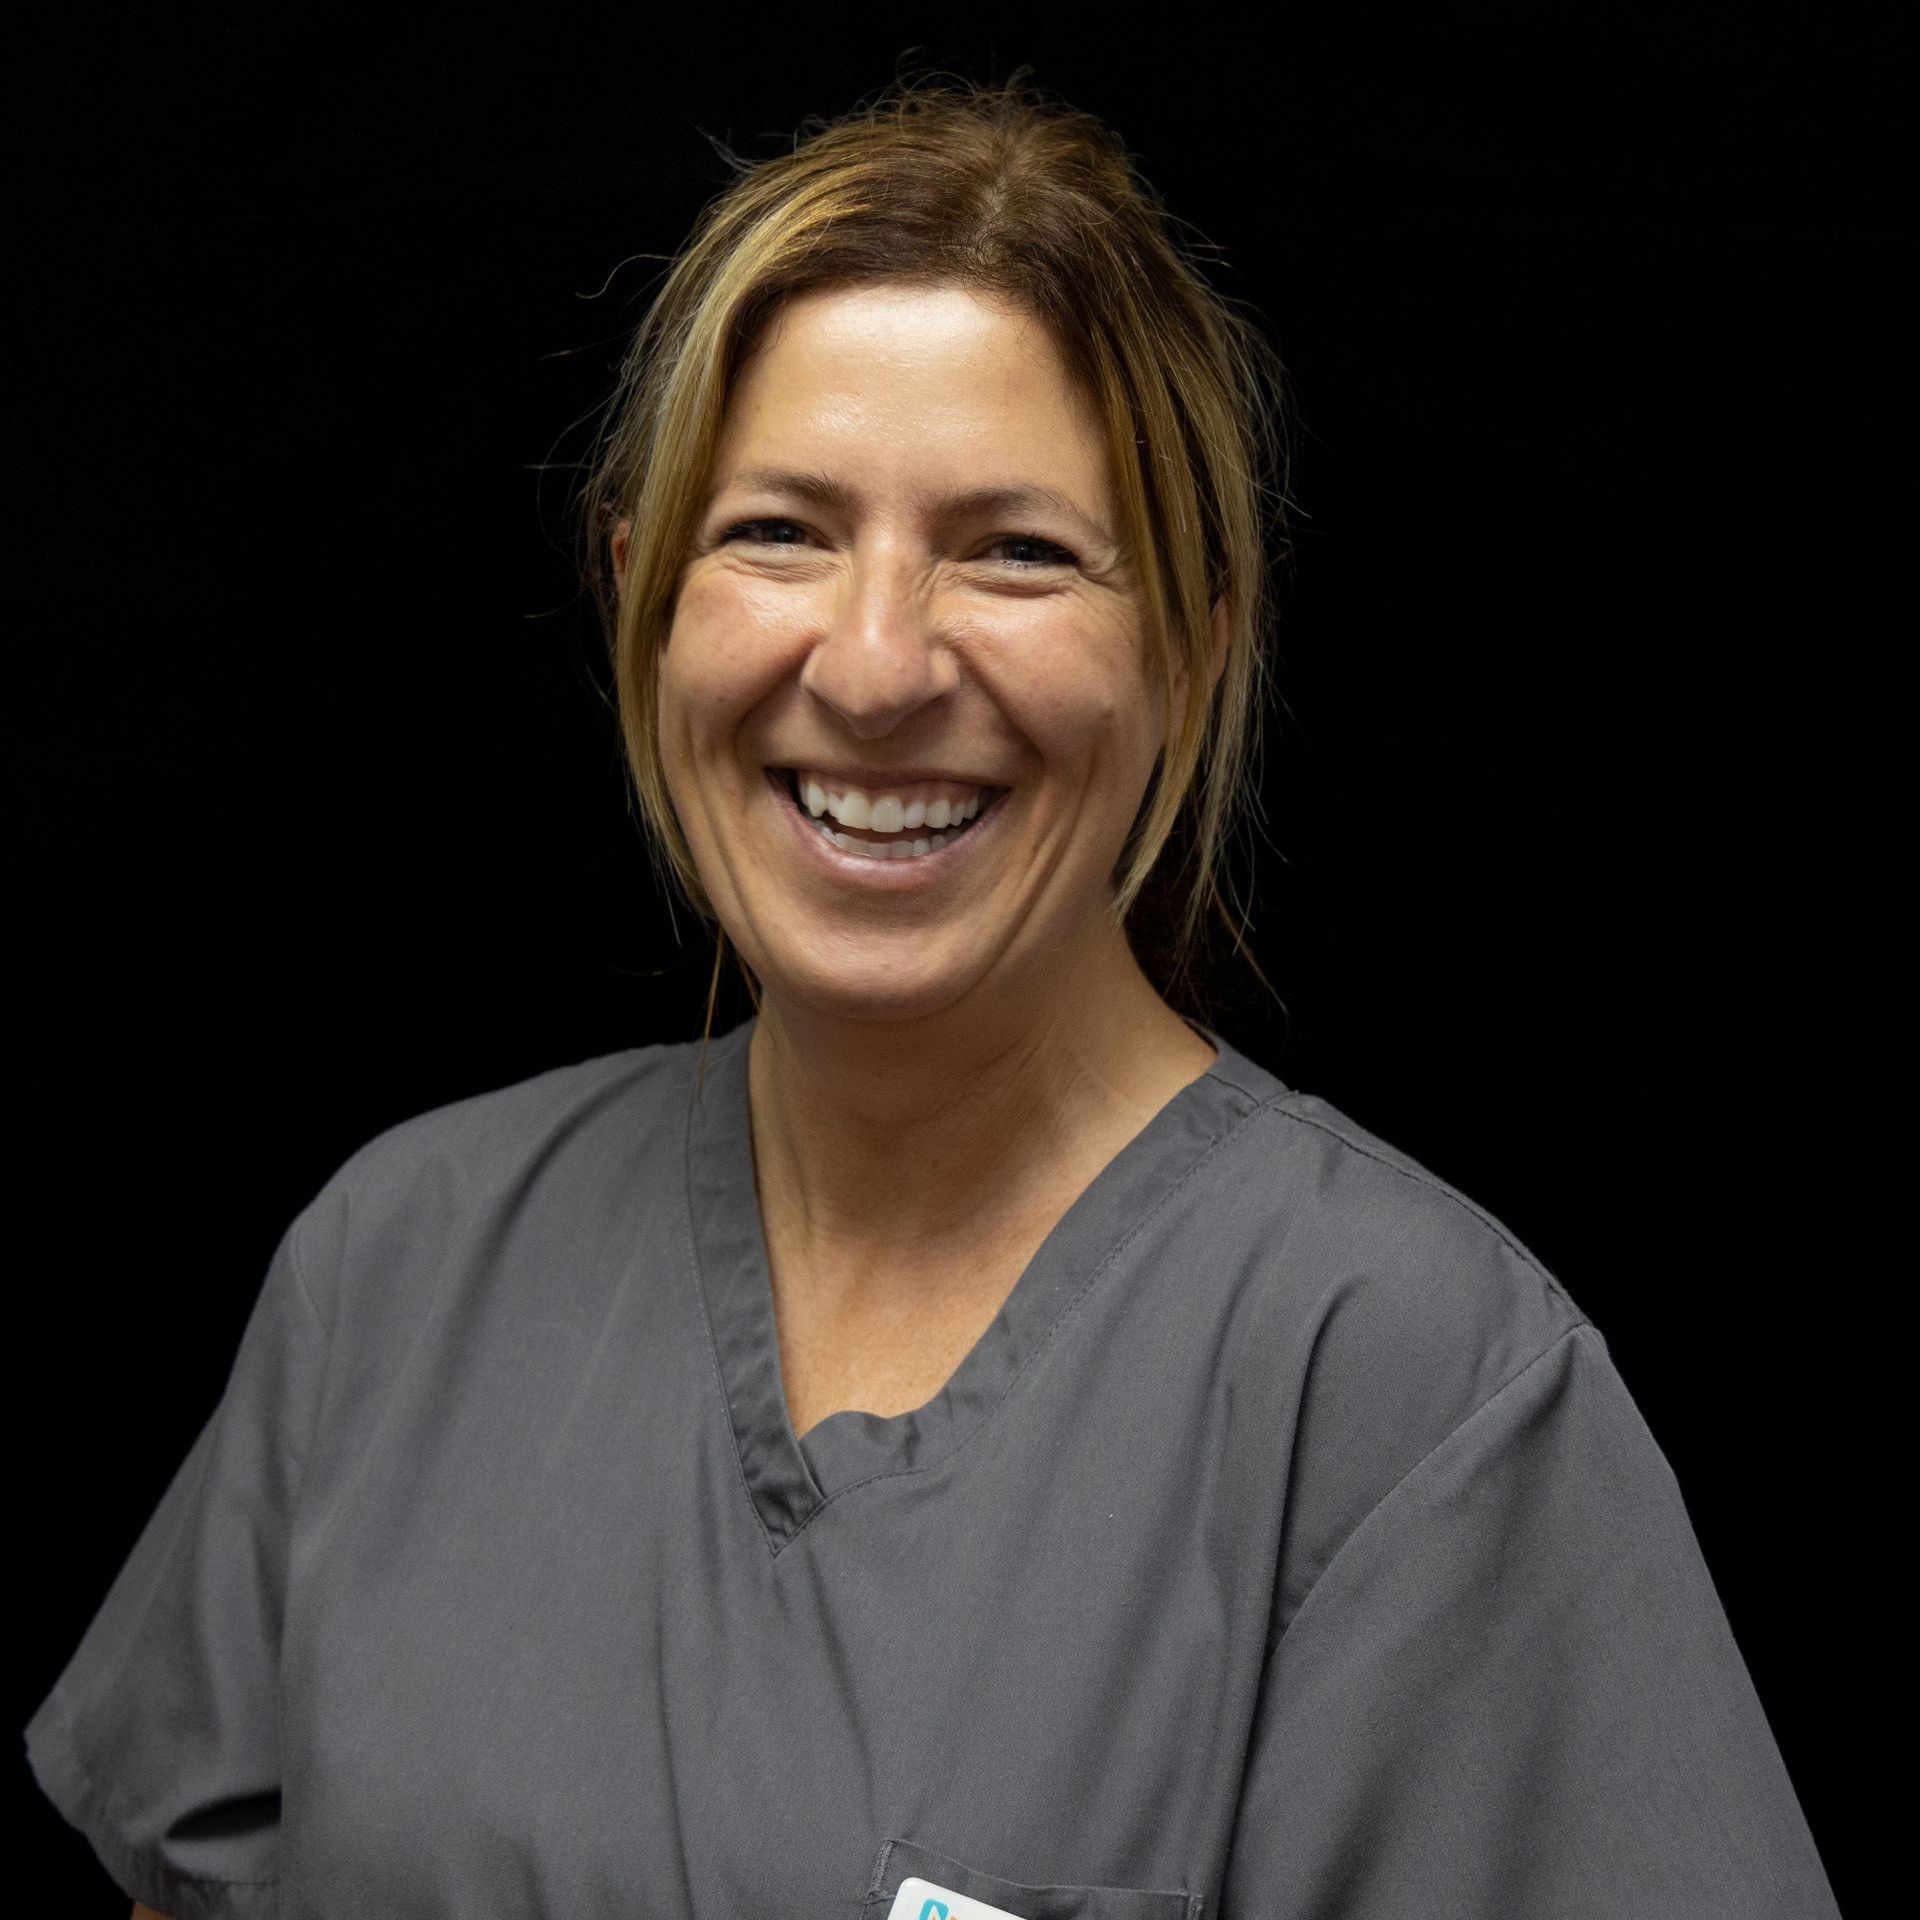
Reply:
x=1513, y=1690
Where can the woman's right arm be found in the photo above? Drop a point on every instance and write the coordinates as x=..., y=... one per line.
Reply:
x=146, y=1913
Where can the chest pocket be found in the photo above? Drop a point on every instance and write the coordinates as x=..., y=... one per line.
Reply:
x=902, y=1860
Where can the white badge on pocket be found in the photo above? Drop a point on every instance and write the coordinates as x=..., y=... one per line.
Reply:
x=922, y=1900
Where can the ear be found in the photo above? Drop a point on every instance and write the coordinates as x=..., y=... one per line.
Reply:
x=1222, y=639
x=622, y=531
x=1216, y=663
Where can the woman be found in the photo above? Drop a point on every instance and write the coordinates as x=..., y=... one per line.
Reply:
x=968, y=1440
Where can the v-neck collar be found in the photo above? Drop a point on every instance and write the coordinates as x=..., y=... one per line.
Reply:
x=788, y=1479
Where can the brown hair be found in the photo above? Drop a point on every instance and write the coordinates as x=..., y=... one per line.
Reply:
x=1029, y=201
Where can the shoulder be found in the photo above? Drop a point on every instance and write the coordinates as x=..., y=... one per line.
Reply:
x=561, y=1142
x=1386, y=1308
x=1423, y=1245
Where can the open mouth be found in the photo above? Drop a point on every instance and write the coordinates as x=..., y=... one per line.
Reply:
x=908, y=843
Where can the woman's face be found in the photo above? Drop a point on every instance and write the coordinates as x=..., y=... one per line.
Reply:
x=906, y=581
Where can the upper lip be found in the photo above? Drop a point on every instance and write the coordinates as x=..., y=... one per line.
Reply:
x=880, y=779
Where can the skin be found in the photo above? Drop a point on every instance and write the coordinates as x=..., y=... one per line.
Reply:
x=935, y=1077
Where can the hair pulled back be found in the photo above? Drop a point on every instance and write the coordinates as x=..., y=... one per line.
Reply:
x=1000, y=189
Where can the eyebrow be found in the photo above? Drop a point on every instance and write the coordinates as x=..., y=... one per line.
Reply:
x=821, y=490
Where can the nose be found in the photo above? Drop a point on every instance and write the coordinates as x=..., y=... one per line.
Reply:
x=880, y=659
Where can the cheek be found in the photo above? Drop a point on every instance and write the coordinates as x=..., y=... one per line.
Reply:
x=1089, y=711
x=723, y=655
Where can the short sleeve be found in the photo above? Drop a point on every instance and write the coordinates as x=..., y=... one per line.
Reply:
x=160, y=1739
x=1514, y=1690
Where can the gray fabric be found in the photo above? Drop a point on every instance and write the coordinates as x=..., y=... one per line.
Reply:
x=1288, y=1547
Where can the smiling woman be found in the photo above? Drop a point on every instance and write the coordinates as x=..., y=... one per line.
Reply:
x=970, y=1439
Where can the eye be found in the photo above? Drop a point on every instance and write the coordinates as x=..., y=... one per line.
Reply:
x=756, y=526
x=1051, y=553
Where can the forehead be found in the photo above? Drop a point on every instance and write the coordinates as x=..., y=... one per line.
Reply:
x=884, y=313
x=938, y=370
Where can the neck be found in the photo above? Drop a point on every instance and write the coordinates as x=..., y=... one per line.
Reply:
x=895, y=1147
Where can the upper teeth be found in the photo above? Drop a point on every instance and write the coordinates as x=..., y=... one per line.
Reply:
x=933, y=804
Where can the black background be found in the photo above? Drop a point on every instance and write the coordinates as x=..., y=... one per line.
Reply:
x=1581, y=887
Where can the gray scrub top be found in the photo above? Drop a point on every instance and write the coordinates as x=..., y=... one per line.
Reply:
x=1289, y=1546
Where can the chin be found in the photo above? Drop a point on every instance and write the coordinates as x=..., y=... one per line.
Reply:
x=879, y=996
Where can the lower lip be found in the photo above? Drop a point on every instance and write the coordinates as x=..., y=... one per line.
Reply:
x=890, y=875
